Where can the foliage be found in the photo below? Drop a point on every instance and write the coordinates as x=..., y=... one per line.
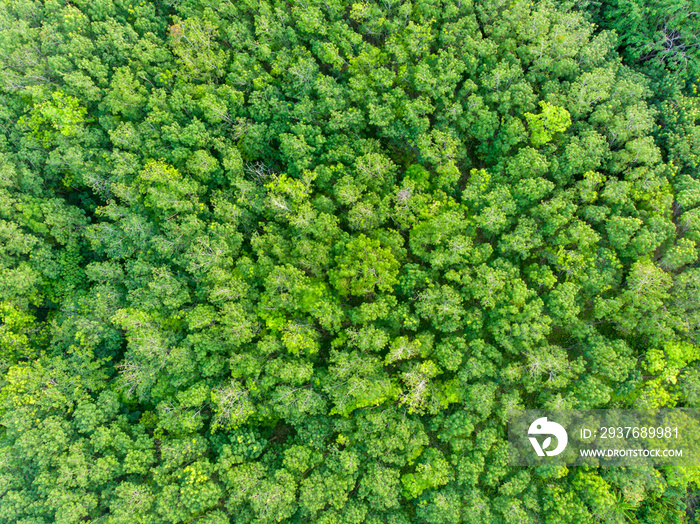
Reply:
x=548, y=123
x=295, y=261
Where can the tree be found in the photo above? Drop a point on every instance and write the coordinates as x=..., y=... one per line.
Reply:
x=357, y=381
x=659, y=36
x=299, y=261
x=62, y=115
x=544, y=126
x=364, y=266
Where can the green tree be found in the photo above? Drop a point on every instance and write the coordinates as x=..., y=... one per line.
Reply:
x=545, y=126
x=364, y=267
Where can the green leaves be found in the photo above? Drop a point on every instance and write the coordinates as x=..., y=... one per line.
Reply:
x=665, y=365
x=194, y=42
x=165, y=190
x=545, y=125
x=232, y=406
x=358, y=381
x=364, y=267
x=442, y=306
x=380, y=487
x=432, y=471
x=270, y=262
x=659, y=36
x=61, y=115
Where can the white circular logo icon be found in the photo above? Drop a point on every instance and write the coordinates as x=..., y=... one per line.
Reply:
x=542, y=426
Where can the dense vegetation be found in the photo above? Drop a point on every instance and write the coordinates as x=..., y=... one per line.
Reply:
x=294, y=261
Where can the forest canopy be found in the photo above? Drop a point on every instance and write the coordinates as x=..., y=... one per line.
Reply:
x=296, y=261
